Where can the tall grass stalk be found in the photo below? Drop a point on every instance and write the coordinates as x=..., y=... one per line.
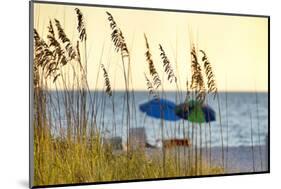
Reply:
x=227, y=128
x=120, y=45
x=252, y=142
x=221, y=132
x=259, y=133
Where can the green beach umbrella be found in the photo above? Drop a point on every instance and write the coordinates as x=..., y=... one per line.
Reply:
x=196, y=112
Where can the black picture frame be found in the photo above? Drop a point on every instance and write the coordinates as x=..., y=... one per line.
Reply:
x=31, y=17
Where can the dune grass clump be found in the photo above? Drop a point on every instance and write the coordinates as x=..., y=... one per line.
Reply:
x=70, y=162
x=197, y=80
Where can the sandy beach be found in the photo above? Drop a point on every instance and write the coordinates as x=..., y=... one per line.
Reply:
x=242, y=159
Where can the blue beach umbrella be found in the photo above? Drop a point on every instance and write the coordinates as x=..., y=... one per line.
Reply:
x=161, y=109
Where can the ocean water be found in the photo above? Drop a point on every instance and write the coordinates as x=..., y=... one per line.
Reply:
x=239, y=112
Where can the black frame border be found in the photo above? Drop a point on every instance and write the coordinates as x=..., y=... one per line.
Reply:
x=31, y=21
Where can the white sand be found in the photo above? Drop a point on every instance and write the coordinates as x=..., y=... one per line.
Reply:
x=242, y=159
x=237, y=159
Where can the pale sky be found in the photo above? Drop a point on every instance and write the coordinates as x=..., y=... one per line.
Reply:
x=237, y=46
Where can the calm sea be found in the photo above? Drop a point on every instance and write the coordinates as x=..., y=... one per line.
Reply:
x=239, y=112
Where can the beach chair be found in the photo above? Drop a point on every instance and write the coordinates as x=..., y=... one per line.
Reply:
x=171, y=143
x=115, y=143
x=176, y=143
x=138, y=139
